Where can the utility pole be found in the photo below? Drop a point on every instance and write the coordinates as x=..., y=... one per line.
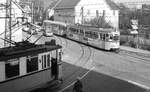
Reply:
x=32, y=12
x=82, y=15
x=8, y=19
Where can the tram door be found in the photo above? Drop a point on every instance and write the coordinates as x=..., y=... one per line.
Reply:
x=54, y=66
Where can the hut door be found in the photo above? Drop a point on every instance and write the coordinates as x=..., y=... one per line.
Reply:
x=54, y=67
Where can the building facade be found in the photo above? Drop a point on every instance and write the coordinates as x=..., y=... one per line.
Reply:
x=79, y=11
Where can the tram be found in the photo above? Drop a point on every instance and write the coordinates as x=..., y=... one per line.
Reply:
x=103, y=38
x=54, y=27
x=26, y=65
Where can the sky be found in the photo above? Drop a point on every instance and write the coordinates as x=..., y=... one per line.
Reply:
x=1, y=1
x=112, y=0
x=131, y=0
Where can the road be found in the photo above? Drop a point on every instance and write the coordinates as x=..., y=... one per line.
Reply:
x=102, y=71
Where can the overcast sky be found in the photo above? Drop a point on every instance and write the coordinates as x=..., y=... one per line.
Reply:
x=131, y=0
x=112, y=0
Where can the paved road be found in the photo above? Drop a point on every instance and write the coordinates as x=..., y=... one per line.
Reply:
x=127, y=72
x=97, y=82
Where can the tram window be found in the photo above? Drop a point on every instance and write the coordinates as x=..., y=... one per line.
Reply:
x=65, y=28
x=88, y=34
x=44, y=61
x=94, y=35
x=111, y=37
x=12, y=69
x=76, y=31
x=107, y=37
x=81, y=32
x=73, y=30
x=32, y=64
x=101, y=36
x=116, y=37
x=48, y=60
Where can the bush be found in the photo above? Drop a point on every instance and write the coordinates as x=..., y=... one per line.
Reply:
x=122, y=42
x=132, y=44
x=99, y=22
x=146, y=47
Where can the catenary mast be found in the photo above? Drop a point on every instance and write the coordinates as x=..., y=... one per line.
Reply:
x=8, y=30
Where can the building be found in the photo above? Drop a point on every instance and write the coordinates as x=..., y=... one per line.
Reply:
x=78, y=11
x=133, y=4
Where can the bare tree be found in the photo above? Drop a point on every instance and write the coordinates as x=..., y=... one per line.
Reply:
x=98, y=22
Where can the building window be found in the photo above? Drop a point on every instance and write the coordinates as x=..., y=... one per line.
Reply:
x=32, y=64
x=12, y=69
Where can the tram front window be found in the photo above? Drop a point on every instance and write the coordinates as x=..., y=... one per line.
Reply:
x=116, y=37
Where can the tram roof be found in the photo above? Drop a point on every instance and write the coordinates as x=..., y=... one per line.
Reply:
x=55, y=22
x=93, y=28
x=34, y=25
x=21, y=51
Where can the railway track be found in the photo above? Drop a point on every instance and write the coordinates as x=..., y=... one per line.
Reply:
x=81, y=61
x=143, y=58
x=120, y=55
x=62, y=42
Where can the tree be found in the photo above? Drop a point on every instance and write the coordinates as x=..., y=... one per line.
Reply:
x=37, y=6
x=98, y=22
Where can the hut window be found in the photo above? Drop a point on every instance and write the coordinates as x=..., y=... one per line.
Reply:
x=48, y=60
x=32, y=64
x=12, y=69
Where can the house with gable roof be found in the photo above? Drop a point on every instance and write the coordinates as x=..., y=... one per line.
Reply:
x=78, y=11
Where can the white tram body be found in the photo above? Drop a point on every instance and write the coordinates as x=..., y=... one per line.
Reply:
x=103, y=38
x=55, y=27
x=23, y=69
